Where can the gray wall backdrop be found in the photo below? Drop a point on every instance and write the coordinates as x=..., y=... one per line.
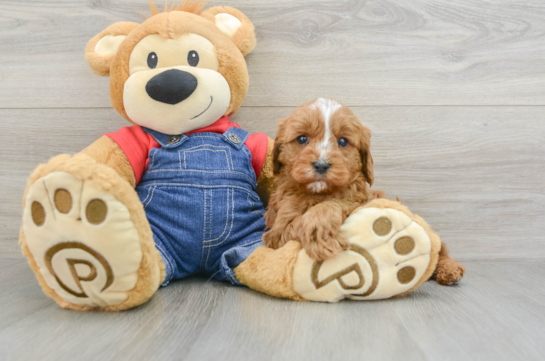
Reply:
x=454, y=93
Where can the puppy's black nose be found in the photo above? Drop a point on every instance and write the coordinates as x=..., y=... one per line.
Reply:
x=321, y=167
x=171, y=86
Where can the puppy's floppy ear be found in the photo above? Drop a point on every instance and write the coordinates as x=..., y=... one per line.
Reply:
x=102, y=49
x=366, y=158
x=277, y=166
x=235, y=25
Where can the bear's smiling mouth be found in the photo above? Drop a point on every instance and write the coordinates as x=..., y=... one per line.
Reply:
x=208, y=107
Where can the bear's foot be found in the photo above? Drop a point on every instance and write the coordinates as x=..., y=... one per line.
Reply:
x=392, y=252
x=86, y=246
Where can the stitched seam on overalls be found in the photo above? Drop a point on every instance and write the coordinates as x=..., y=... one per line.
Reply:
x=220, y=136
x=229, y=156
x=227, y=217
x=200, y=186
x=155, y=150
x=210, y=214
x=202, y=171
x=194, y=149
x=227, y=236
x=232, y=221
x=249, y=162
x=147, y=195
x=206, y=146
x=210, y=210
x=251, y=242
x=252, y=206
x=205, y=227
x=153, y=191
x=205, y=136
x=210, y=150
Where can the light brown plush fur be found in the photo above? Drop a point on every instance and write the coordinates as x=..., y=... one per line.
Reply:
x=300, y=211
x=271, y=271
x=100, y=64
x=172, y=24
x=106, y=179
x=106, y=151
x=244, y=38
x=105, y=163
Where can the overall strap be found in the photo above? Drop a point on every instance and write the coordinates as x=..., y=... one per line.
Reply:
x=166, y=141
x=235, y=137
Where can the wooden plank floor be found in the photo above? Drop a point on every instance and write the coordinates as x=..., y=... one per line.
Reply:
x=454, y=93
x=497, y=313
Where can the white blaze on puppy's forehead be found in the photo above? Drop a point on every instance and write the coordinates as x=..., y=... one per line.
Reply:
x=327, y=107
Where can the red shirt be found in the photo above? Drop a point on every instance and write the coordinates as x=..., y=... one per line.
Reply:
x=136, y=144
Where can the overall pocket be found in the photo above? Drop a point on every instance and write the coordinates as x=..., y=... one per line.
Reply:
x=206, y=157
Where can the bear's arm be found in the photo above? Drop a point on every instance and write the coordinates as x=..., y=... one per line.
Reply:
x=106, y=151
x=266, y=183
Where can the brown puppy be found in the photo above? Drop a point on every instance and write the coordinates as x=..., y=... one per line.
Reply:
x=324, y=171
x=323, y=164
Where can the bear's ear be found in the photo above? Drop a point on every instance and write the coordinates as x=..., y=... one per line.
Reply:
x=101, y=49
x=235, y=25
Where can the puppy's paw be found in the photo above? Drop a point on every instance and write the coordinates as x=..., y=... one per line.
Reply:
x=324, y=249
x=269, y=240
x=319, y=233
x=321, y=239
x=449, y=272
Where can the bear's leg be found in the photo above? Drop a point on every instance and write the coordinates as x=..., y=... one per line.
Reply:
x=392, y=253
x=270, y=271
x=87, y=238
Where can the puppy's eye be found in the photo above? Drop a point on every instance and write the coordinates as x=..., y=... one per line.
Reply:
x=193, y=58
x=302, y=139
x=152, y=60
x=343, y=142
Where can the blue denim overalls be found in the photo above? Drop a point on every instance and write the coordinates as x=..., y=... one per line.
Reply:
x=199, y=194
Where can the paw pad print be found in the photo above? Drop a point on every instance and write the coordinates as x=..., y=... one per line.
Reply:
x=389, y=253
x=82, y=239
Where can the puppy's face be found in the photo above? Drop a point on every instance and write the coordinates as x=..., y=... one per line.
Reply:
x=323, y=147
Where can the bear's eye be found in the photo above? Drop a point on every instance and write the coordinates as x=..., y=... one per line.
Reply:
x=193, y=58
x=302, y=139
x=152, y=60
x=343, y=142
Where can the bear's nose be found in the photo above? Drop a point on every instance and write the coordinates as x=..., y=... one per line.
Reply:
x=171, y=86
x=321, y=167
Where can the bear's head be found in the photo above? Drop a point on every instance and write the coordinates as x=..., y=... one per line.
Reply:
x=179, y=70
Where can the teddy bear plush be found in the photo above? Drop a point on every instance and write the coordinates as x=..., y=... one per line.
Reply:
x=175, y=194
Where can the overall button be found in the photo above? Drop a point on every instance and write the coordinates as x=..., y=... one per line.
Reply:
x=234, y=138
x=173, y=139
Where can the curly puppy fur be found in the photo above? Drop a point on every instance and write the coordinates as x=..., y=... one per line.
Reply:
x=310, y=205
x=448, y=271
x=323, y=164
